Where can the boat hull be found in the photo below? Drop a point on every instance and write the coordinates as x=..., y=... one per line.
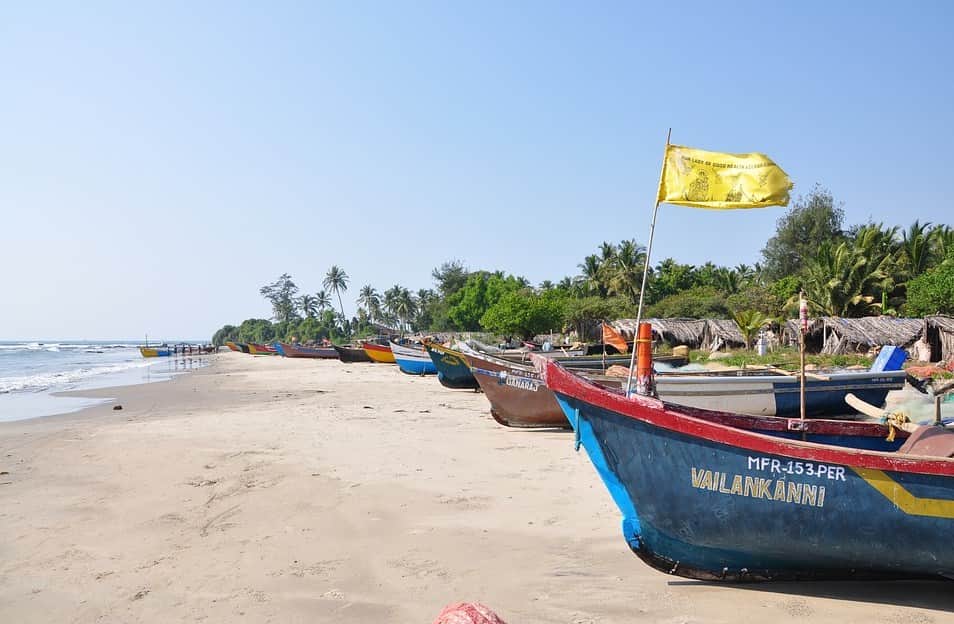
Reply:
x=379, y=353
x=151, y=352
x=453, y=368
x=298, y=351
x=413, y=360
x=778, y=395
x=517, y=394
x=260, y=349
x=351, y=354
x=704, y=500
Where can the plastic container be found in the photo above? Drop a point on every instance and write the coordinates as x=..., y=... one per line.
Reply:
x=890, y=358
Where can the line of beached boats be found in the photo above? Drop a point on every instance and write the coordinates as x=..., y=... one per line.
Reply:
x=717, y=477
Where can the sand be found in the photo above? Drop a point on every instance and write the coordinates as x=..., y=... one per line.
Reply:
x=270, y=490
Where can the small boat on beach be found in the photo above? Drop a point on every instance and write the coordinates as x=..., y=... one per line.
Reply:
x=242, y=347
x=151, y=352
x=777, y=393
x=379, y=353
x=517, y=394
x=232, y=346
x=290, y=350
x=261, y=349
x=453, y=368
x=348, y=353
x=413, y=359
x=730, y=497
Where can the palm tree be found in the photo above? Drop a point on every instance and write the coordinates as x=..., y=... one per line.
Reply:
x=369, y=298
x=916, y=249
x=308, y=305
x=336, y=280
x=943, y=238
x=322, y=300
x=842, y=280
x=592, y=275
x=405, y=307
x=750, y=322
x=625, y=270
x=728, y=281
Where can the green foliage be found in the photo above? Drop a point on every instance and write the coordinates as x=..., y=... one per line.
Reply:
x=281, y=294
x=256, y=330
x=750, y=322
x=450, y=277
x=932, y=292
x=841, y=279
x=811, y=221
x=586, y=312
x=670, y=277
x=228, y=333
x=697, y=302
x=759, y=298
x=525, y=313
x=481, y=290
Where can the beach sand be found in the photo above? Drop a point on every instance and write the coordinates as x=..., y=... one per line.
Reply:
x=271, y=490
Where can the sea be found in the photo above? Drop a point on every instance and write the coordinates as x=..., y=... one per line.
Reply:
x=32, y=372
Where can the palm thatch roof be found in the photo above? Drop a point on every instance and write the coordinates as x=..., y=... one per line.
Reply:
x=721, y=333
x=711, y=334
x=835, y=335
x=939, y=332
x=675, y=331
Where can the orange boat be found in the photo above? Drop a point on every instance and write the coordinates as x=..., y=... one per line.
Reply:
x=379, y=353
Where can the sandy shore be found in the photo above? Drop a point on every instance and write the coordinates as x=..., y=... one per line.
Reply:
x=271, y=490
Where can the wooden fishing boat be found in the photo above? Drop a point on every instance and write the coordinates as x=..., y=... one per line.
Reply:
x=242, y=347
x=595, y=362
x=517, y=394
x=453, y=368
x=777, y=394
x=379, y=353
x=261, y=349
x=347, y=353
x=719, y=496
x=151, y=352
x=300, y=351
x=413, y=359
x=232, y=346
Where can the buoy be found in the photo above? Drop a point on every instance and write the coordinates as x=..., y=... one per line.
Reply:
x=644, y=360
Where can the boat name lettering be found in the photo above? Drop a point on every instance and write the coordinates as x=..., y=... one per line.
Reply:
x=780, y=490
x=522, y=383
x=783, y=467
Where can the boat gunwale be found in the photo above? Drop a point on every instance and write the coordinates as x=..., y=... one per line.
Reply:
x=680, y=419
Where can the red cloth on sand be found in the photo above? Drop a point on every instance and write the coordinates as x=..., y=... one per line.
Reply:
x=467, y=613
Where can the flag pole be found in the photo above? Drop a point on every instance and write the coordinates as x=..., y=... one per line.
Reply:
x=649, y=251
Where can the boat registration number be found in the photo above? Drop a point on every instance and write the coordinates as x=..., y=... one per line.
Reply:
x=777, y=466
x=522, y=383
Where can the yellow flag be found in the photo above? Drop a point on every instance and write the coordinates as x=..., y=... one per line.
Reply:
x=702, y=179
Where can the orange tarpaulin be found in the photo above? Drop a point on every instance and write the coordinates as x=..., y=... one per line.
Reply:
x=613, y=337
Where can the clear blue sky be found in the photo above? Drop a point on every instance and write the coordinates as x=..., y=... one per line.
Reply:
x=160, y=163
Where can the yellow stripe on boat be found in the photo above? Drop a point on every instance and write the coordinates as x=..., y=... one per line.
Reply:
x=903, y=499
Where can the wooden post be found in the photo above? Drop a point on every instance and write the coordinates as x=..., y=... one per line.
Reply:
x=803, y=328
x=649, y=251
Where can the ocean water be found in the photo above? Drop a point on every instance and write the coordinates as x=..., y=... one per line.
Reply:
x=31, y=372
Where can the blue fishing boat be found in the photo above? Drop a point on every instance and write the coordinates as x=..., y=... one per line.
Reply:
x=278, y=347
x=453, y=369
x=413, y=359
x=719, y=496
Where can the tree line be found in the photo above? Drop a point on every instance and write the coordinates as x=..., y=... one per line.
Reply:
x=859, y=270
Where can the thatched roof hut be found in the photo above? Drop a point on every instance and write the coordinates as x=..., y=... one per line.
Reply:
x=939, y=332
x=675, y=331
x=722, y=333
x=711, y=334
x=834, y=335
